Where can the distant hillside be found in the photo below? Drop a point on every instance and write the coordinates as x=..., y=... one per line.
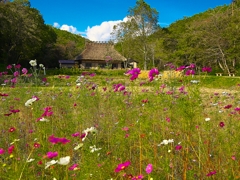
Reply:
x=69, y=45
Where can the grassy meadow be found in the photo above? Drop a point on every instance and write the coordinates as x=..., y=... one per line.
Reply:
x=108, y=127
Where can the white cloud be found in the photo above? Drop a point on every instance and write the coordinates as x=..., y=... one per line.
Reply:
x=56, y=25
x=102, y=32
x=68, y=28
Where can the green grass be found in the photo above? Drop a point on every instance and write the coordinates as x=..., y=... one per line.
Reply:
x=131, y=126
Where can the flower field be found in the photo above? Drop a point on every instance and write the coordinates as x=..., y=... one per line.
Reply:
x=98, y=127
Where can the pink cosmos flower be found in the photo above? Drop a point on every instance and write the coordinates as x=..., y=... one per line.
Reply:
x=24, y=71
x=73, y=167
x=12, y=129
x=178, y=147
x=206, y=69
x=190, y=72
x=237, y=109
x=3, y=94
x=52, y=154
x=14, y=110
x=2, y=151
x=16, y=74
x=149, y=168
x=228, y=106
x=191, y=66
x=211, y=173
x=221, y=124
x=122, y=166
x=76, y=134
x=9, y=66
x=18, y=66
x=180, y=68
x=36, y=145
x=10, y=149
x=134, y=73
x=152, y=73
x=14, y=80
x=118, y=87
x=55, y=140
x=125, y=129
x=44, y=79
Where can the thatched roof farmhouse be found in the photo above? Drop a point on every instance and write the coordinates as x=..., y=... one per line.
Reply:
x=100, y=55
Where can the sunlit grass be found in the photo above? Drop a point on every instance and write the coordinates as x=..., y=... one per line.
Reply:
x=171, y=124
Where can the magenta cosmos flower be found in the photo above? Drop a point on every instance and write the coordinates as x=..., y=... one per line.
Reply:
x=122, y=166
x=52, y=154
x=2, y=151
x=221, y=124
x=152, y=73
x=134, y=73
x=190, y=72
x=149, y=168
x=178, y=147
x=211, y=173
x=24, y=71
x=206, y=69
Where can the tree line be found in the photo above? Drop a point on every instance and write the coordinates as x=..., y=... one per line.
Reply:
x=25, y=36
x=210, y=38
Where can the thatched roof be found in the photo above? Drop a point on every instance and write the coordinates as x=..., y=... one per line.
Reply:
x=100, y=51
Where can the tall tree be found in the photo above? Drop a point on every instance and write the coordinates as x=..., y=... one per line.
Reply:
x=142, y=22
x=22, y=32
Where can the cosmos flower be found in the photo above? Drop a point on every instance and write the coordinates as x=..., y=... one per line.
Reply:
x=12, y=129
x=152, y=73
x=73, y=167
x=149, y=168
x=190, y=72
x=122, y=166
x=166, y=142
x=64, y=160
x=24, y=71
x=9, y=66
x=178, y=147
x=48, y=164
x=30, y=102
x=221, y=124
x=10, y=149
x=55, y=140
x=206, y=69
x=33, y=62
x=2, y=151
x=52, y=154
x=211, y=173
x=134, y=73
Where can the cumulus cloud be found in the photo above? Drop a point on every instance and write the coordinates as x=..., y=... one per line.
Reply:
x=103, y=31
x=56, y=25
x=68, y=28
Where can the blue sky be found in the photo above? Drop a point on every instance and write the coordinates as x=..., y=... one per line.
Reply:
x=94, y=19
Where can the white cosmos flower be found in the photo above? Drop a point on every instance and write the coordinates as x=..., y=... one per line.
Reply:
x=47, y=164
x=166, y=142
x=207, y=119
x=30, y=102
x=41, y=65
x=44, y=119
x=64, y=160
x=93, y=148
x=33, y=62
x=78, y=146
x=30, y=160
